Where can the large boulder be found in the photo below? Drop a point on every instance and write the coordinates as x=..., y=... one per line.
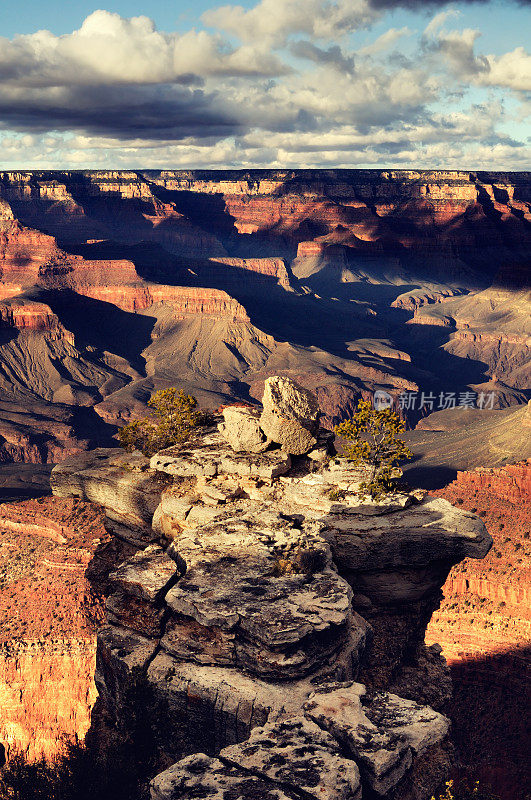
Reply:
x=290, y=415
x=241, y=429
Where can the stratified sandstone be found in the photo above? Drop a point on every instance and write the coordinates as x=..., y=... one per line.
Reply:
x=49, y=613
x=484, y=627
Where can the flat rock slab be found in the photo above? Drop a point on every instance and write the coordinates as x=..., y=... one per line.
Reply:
x=120, y=482
x=297, y=754
x=317, y=495
x=268, y=583
x=213, y=456
x=431, y=531
x=199, y=776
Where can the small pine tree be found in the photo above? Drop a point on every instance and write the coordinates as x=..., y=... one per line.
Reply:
x=174, y=415
x=373, y=439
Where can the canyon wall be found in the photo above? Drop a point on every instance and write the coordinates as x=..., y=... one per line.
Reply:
x=50, y=614
x=114, y=284
x=484, y=627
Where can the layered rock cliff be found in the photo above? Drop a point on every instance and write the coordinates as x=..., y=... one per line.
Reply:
x=50, y=613
x=272, y=610
x=484, y=627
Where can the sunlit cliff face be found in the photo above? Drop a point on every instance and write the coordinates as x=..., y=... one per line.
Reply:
x=483, y=627
x=49, y=616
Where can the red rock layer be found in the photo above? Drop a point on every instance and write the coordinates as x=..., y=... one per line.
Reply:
x=270, y=267
x=484, y=627
x=49, y=615
x=23, y=251
x=183, y=300
x=29, y=315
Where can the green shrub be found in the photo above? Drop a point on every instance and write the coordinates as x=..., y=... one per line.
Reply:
x=174, y=415
x=373, y=439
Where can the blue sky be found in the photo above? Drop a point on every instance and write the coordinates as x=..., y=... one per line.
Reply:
x=503, y=24
x=264, y=83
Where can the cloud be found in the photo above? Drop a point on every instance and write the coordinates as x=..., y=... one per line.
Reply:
x=276, y=20
x=434, y=26
x=168, y=112
x=510, y=69
x=294, y=92
x=421, y=5
x=333, y=56
x=385, y=41
x=109, y=49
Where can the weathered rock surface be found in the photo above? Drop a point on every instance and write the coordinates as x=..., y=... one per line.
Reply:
x=290, y=415
x=295, y=753
x=241, y=428
x=211, y=456
x=267, y=589
x=270, y=581
x=201, y=776
x=381, y=731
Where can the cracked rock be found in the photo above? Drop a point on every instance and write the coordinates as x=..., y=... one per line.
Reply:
x=290, y=415
x=297, y=754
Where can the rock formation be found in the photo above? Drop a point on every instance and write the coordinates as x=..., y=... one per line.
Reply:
x=483, y=625
x=49, y=613
x=277, y=615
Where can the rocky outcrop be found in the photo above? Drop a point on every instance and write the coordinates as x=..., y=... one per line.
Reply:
x=262, y=588
x=290, y=415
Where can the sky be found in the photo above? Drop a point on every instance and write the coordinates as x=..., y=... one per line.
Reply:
x=173, y=84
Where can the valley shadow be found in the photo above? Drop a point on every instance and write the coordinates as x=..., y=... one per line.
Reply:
x=198, y=207
x=102, y=325
x=22, y=481
x=428, y=477
x=425, y=344
x=492, y=723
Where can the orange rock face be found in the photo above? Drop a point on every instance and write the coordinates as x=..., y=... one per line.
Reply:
x=49, y=615
x=484, y=627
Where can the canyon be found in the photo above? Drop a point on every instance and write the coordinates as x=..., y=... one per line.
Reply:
x=484, y=628
x=114, y=284
x=50, y=613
